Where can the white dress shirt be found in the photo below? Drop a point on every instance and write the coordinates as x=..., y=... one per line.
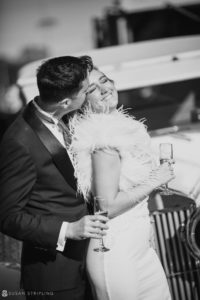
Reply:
x=57, y=132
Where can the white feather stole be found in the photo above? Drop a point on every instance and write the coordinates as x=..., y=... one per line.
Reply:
x=118, y=130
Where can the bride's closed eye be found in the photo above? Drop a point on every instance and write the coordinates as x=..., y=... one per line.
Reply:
x=104, y=80
x=91, y=89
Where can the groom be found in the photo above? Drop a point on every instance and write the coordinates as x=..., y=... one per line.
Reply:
x=39, y=204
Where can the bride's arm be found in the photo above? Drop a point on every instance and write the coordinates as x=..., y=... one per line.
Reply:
x=106, y=167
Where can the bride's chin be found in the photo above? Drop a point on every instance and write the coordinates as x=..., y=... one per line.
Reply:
x=113, y=103
x=112, y=107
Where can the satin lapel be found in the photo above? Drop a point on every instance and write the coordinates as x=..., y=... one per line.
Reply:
x=58, y=152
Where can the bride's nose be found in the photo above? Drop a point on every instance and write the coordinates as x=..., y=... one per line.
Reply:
x=104, y=90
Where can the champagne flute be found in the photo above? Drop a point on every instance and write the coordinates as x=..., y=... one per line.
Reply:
x=166, y=156
x=100, y=202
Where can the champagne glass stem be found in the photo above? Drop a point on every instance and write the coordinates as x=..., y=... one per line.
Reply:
x=102, y=246
x=98, y=203
x=166, y=155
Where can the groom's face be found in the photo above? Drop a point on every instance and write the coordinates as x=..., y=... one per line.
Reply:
x=79, y=97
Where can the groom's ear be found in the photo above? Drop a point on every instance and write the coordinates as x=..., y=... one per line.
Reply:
x=66, y=102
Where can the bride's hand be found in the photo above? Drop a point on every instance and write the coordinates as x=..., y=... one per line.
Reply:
x=162, y=175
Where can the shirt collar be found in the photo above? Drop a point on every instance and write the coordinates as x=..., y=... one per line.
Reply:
x=45, y=115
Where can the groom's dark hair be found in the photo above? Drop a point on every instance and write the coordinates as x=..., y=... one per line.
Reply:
x=61, y=77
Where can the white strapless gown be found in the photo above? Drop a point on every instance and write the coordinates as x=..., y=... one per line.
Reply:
x=131, y=270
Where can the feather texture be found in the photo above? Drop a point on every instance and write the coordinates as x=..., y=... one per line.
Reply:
x=91, y=131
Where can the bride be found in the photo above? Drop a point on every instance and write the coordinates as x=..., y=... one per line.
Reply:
x=112, y=159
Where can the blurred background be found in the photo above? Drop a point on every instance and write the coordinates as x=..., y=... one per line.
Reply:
x=32, y=30
x=35, y=29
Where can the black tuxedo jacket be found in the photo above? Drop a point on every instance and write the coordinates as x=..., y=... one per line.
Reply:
x=38, y=193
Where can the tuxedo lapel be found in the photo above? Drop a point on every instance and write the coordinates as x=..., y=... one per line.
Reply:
x=58, y=152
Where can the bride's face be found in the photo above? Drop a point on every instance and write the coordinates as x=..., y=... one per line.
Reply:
x=101, y=94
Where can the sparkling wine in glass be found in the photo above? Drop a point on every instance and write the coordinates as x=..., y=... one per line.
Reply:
x=166, y=156
x=100, y=202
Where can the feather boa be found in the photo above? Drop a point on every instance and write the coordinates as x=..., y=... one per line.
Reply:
x=91, y=131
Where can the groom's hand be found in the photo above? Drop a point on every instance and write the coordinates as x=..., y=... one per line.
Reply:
x=90, y=226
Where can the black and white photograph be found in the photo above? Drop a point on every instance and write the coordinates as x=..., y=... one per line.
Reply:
x=100, y=149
